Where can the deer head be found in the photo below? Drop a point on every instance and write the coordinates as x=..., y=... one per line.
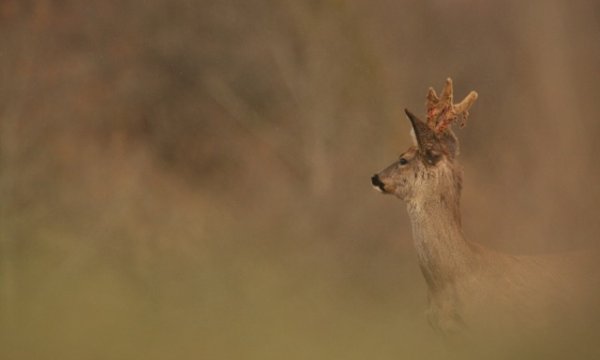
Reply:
x=428, y=169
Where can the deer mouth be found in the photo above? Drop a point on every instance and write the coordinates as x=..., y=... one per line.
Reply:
x=377, y=183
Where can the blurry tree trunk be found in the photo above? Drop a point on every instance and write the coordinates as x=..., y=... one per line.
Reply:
x=16, y=66
x=559, y=125
x=8, y=166
x=317, y=110
x=315, y=84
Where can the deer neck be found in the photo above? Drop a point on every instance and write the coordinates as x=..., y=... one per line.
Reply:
x=442, y=251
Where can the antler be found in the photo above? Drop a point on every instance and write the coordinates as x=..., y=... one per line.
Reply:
x=441, y=111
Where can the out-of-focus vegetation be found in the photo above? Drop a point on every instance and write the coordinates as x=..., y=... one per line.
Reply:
x=190, y=179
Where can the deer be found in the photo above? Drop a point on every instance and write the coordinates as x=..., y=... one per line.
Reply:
x=468, y=284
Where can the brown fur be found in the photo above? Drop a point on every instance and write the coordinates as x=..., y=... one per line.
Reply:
x=470, y=286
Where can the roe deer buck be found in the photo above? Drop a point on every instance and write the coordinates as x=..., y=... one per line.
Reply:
x=466, y=281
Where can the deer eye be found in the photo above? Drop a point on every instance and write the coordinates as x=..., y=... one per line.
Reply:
x=403, y=161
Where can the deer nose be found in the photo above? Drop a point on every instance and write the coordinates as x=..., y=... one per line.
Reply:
x=377, y=183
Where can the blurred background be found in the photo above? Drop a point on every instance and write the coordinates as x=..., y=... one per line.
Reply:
x=191, y=179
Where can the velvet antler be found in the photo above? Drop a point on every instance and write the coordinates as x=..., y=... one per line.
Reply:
x=441, y=111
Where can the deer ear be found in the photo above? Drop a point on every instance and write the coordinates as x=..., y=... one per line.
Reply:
x=424, y=136
x=450, y=143
x=427, y=141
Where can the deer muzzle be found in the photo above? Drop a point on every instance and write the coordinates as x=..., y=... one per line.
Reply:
x=377, y=183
